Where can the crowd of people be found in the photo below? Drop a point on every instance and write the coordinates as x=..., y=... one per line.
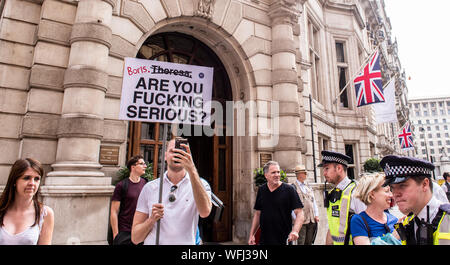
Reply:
x=147, y=213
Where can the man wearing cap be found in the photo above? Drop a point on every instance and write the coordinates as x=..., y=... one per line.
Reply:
x=311, y=212
x=428, y=220
x=339, y=202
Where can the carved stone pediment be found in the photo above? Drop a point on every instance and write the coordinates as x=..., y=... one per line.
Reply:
x=285, y=11
x=205, y=8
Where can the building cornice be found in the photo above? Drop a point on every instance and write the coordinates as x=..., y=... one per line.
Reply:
x=346, y=6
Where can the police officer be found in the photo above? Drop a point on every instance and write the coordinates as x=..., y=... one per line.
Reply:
x=428, y=220
x=339, y=202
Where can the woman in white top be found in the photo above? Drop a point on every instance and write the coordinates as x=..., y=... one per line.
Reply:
x=23, y=219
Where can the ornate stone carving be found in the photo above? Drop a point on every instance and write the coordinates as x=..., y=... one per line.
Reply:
x=205, y=8
x=286, y=11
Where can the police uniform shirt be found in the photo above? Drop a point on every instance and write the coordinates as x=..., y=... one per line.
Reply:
x=433, y=206
x=356, y=205
x=439, y=193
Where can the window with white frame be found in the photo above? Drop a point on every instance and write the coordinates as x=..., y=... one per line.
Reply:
x=314, y=57
x=352, y=170
x=342, y=68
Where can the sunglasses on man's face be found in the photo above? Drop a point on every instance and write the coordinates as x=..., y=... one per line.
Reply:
x=172, y=197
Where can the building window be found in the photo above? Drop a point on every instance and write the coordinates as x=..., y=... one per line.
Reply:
x=342, y=74
x=340, y=52
x=351, y=170
x=314, y=57
x=323, y=145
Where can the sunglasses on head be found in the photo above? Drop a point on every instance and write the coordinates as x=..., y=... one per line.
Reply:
x=172, y=197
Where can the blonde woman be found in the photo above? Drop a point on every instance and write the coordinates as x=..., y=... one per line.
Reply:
x=374, y=221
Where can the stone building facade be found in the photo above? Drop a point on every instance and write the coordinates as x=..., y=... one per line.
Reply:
x=431, y=120
x=61, y=67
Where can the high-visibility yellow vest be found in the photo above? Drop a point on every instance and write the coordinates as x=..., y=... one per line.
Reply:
x=338, y=213
x=442, y=234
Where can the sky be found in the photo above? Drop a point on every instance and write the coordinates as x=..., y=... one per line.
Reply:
x=423, y=36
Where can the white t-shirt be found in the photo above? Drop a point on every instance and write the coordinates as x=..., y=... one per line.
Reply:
x=179, y=224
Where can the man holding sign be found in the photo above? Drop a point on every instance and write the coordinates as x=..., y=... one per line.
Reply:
x=185, y=196
x=152, y=91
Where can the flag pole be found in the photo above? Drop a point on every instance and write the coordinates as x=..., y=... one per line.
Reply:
x=357, y=73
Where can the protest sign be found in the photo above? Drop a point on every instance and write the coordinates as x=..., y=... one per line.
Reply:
x=154, y=91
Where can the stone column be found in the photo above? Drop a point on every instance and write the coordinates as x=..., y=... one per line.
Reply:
x=77, y=190
x=284, y=14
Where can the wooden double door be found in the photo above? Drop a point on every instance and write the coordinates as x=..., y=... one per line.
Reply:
x=212, y=154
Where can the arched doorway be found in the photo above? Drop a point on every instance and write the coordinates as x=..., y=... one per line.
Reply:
x=212, y=155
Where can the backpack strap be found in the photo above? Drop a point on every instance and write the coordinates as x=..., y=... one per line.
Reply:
x=123, y=194
x=124, y=190
x=367, y=226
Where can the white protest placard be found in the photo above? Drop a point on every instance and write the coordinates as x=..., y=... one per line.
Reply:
x=154, y=91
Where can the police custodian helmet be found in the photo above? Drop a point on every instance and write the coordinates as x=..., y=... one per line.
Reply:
x=334, y=157
x=399, y=168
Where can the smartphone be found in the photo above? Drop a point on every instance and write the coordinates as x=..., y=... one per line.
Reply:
x=179, y=141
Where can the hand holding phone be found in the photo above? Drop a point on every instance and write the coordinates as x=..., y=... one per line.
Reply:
x=179, y=141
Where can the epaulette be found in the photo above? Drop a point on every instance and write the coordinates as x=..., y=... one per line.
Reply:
x=444, y=208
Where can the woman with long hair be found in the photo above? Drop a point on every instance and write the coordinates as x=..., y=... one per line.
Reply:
x=23, y=219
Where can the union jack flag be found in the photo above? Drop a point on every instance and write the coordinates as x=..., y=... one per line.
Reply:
x=368, y=85
x=405, y=137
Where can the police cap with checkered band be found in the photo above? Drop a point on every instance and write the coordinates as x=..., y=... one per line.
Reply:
x=399, y=168
x=334, y=157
